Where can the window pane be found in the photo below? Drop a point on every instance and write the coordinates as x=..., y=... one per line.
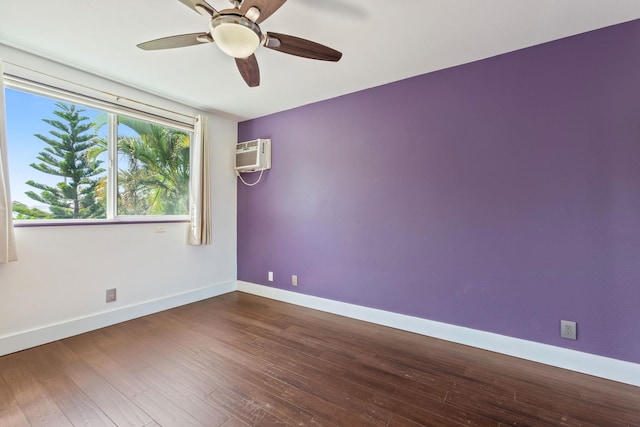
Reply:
x=153, y=169
x=57, y=160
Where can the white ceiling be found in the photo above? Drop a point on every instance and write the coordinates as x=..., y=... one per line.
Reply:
x=381, y=41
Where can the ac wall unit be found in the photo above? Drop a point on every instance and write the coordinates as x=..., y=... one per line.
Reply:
x=253, y=155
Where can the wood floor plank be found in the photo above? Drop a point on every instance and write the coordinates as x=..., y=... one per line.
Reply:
x=251, y=411
x=431, y=412
x=289, y=393
x=235, y=422
x=120, y=377
x=164, y=411
x=182, y=394
x=239, y=360
x=621, y=398
x=114, y=404
x=199, y=383
x=249, y=382
x=278, y=407
x=527, y=379
x=332, y=390
x=7, y=400
x=47, y=360
x=35, y=403
x=580, y=410
x=288, y=340
x=507, y=411
x=75, y=404
x=13, y=417
x=83, y=343
x=398, y=421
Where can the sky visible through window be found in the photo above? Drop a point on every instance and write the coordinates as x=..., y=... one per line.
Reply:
x=24, y=114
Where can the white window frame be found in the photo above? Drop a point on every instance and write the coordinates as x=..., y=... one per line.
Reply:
x=113, y=106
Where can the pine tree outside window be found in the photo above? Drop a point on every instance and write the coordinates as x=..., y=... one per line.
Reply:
x=75, y=163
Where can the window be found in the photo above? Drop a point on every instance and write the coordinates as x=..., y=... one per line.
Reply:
x=75, y=162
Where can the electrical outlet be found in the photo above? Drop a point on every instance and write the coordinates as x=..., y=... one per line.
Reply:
x=270, y=276
x=111, y=295
x=294, y=280
x=568, y=330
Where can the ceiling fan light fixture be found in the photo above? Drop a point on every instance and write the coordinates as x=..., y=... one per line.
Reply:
x=236, y=35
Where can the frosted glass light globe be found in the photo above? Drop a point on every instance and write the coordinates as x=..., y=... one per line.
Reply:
x=235, y=35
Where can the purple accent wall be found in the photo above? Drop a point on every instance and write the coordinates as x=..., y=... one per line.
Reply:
x=501, y=195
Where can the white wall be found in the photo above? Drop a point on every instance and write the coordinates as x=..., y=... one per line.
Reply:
x=57, y=287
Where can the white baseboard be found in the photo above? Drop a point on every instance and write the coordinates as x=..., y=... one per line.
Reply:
x=603, y=367
x=34, y=337
x=612, y=369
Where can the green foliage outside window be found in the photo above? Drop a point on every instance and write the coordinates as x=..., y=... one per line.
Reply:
x=156, y=178
x=74, y=197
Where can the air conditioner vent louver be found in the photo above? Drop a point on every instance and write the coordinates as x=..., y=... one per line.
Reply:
x=245, y=159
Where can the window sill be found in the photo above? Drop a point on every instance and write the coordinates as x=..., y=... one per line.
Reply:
x=65, y=223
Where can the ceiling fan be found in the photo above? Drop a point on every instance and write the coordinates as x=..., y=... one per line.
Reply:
x=237, y=33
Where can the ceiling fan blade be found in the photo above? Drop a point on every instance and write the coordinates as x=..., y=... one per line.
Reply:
x=200, y=6
x=301, y=47
x=249, y=70
x=266, y=7
x=181, y=40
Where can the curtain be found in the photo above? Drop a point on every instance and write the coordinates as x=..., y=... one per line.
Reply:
x=200, y=188
x=7, y=240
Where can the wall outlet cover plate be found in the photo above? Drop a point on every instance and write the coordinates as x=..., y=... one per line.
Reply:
x=111, y=295
x=568, y=330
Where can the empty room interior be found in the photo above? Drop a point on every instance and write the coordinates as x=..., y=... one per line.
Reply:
x=323, y=213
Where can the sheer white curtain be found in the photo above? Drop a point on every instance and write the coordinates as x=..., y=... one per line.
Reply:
x=200, y=191
x=7, y=240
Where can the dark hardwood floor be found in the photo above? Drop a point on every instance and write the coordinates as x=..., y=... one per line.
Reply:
x=239, y=360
